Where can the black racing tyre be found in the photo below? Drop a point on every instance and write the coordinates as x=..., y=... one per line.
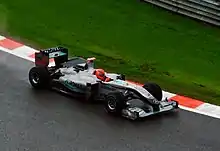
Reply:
x=114, y=103
x=39, y=77
x=154, y=89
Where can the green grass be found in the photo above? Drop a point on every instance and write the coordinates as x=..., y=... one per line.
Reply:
x=141, y=41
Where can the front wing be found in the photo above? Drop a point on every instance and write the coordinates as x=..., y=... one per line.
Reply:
x=134, y=113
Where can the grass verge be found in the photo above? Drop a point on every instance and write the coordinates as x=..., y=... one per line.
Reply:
x=137, y=39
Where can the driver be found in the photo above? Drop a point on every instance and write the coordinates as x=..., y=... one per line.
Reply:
x=100, y=74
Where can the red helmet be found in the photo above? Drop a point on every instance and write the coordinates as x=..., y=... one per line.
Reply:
x=100, y=74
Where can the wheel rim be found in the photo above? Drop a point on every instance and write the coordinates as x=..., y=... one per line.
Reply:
x=112, y=104
x=34, y=78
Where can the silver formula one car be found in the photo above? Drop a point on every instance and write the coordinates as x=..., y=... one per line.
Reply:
x=76, y=77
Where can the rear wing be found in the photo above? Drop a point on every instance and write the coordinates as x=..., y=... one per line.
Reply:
x=59, y=54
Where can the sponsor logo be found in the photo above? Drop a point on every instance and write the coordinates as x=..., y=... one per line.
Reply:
x=74, y=86
x=108, y=87
x=121, y=82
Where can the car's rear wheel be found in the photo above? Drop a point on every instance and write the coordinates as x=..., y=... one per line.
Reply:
x=114, y=103
x=39, y=77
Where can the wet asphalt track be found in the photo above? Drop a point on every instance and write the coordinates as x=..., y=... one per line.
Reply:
x=48, y=121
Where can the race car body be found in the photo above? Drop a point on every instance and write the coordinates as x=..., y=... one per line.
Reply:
x=76, y=77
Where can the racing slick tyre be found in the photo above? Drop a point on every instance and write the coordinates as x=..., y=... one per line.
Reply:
x=156, y=91
x=39, y=77
x=115, y=103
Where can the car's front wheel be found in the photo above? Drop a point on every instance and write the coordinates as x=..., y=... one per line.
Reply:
x=114, y=103
x=156, y=91
x=39, y=77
